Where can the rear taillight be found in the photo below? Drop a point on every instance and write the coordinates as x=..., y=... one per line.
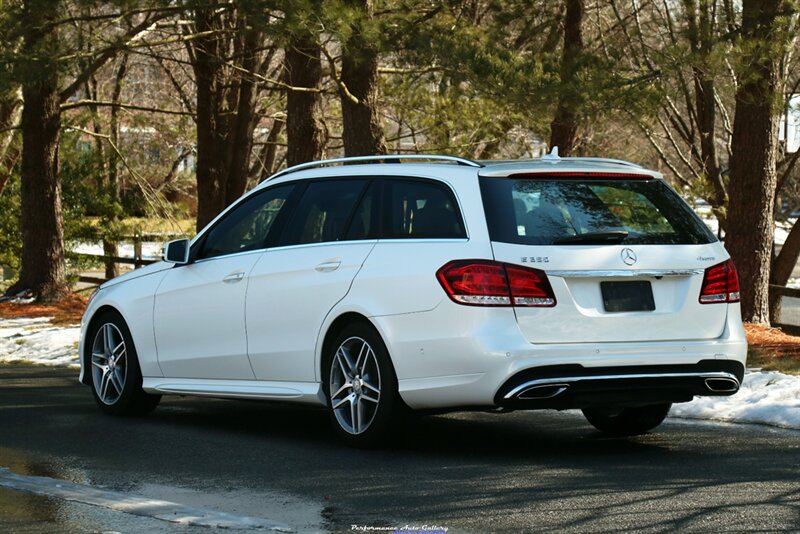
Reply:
x=720, y=284
x=493, y=283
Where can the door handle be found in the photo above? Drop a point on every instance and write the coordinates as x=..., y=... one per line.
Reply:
x=233, y=278
x=328, y=266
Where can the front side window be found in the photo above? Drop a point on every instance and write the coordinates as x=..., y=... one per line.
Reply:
x=246, y=226
x=324, y=212
x=421, y=209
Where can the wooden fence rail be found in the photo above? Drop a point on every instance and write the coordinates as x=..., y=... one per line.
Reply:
x=791, y=292
x=784, y=291
x=137, y=260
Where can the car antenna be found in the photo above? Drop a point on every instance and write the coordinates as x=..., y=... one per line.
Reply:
x=552, y=156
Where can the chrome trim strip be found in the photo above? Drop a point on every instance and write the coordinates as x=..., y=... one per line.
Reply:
x=560, y=388
x=620, y=273
x=569, y=379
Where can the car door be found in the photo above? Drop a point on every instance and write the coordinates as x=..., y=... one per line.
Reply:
x=294, y=285
x=199, y=307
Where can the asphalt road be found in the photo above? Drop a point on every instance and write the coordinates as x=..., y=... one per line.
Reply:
x=478, y=472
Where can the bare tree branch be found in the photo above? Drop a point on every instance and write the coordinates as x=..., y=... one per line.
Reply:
x=101, y=103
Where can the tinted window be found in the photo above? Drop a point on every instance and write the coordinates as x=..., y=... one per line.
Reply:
x=247, y=225
x=362, y=226
x=421, y=209
x=323, y=212
x=547, y=212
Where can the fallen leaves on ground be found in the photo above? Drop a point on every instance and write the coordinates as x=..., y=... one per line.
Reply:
x=772, y=348
x=766, y=336
x=67, y=311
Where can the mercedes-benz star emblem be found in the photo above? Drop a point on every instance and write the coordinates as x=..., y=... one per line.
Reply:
x=628, y=256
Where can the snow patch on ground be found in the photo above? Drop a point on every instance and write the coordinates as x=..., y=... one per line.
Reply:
x=770, y=398
x=149, y=249
x=37, y=340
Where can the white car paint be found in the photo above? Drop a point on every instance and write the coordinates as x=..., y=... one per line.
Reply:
x=262, y=337
x=281, y=326
x=198, y=318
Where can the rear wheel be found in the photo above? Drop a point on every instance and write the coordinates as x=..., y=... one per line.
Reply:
x=627, y=421
x=361, y=387
x=114, y=368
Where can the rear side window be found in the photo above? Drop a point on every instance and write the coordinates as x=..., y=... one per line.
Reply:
x=421, y=209
x=324, y=212
x=564, y=212
x=362, y=225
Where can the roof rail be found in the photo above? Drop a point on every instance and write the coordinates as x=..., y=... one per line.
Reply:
x=388, y=158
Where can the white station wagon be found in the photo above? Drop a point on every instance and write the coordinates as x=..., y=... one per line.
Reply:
x=377, y=285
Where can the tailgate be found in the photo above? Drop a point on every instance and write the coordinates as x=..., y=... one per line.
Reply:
x=577, y=275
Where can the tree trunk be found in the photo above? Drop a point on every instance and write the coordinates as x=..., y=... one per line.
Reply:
x=564, y=128
x=42, y=268
x=270, y=149
x=700, y=22
x=362, y=132
x=226, y=104
x=754, y=151
x=782, y=266
x=207, y=65
x=241, y=136
x=305, y=130
x=9, y=115
x=111, y=248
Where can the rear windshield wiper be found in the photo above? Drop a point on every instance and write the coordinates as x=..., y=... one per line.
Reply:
x=616, y=236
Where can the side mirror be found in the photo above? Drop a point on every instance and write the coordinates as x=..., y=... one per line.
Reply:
x=177, y=251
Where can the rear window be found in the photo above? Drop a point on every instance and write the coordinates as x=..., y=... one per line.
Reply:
x=545, y=211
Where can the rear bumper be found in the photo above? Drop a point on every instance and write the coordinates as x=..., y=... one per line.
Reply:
x=459, y=356
x=574, y=386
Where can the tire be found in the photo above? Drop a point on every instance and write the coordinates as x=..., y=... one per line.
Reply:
x=113, y=365
x=359, y=382
x=627, y=421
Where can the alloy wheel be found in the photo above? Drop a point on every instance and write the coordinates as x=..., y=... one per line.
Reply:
x=355, y=385
x=109, y=363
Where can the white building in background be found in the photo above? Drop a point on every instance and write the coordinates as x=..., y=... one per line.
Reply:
x=790, y=125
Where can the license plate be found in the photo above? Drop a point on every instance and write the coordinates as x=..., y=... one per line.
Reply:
x=627, y=296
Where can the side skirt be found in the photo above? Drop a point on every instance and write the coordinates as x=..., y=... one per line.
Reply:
x=300, y=392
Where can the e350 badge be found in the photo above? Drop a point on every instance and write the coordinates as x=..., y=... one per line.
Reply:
x=535, y=259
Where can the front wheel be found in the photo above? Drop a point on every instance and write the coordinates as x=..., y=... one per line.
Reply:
x=361, y=387
x=114, y=368
x=627, y=421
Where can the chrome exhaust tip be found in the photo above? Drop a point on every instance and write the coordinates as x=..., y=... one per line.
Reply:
x=542, y=391
x=722, y=385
